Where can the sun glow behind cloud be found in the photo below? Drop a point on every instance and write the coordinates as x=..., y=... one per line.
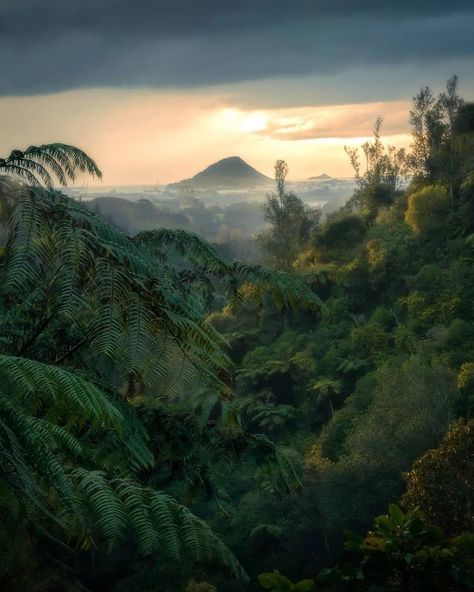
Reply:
x=232, y=119
x=317, y=123
x=140, y=136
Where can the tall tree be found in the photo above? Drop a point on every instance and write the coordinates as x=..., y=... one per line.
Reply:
x=291, y=222
x=435, y=155
x=385, y=169
x=426, y=134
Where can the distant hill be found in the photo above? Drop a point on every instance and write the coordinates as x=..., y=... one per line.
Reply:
x=228, y=173
x=322, y=177
x=134, y=216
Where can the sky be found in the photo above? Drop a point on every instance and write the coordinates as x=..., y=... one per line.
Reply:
x=155, y=90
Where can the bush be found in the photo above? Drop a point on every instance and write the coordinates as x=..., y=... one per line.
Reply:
x=427, y=210
x=404, y=553
x=338, y=234
x=441, y=482
x=370, y=341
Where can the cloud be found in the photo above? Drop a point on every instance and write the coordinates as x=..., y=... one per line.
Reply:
x=48, y=46
x=335, y=121
x=315, y=123
x=171, y=18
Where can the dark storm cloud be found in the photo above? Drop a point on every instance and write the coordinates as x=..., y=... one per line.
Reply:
x=50, y=45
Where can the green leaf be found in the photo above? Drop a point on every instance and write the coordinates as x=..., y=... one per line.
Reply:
x=396, y=514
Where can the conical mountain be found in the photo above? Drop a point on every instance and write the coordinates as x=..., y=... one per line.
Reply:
x=322, y=177
x=229, y=173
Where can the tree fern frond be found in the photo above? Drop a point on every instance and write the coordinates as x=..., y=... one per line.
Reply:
x=35, y=169
x=36, y=450
x=190, y=246
x=35, y=163
x=156, y=520
x=107, y=509
x=287, y=290
x=28, y=378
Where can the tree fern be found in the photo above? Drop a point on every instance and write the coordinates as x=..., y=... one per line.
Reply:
x=103, y=505
x=92, y=324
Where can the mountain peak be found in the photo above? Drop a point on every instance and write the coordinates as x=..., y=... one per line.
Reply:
x=322, y=177
x=231, y=159
x=231, y=172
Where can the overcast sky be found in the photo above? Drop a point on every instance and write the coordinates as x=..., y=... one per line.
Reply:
x=156, y=89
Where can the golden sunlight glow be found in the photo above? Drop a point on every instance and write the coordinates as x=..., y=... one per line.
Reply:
x=255, y=122
x=140, y=136
x=232, y=119
x=230, y=114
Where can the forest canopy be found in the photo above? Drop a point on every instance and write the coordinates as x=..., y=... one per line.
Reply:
x=173, y=420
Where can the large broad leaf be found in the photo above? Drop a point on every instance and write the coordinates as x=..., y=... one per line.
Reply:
x=397, y=516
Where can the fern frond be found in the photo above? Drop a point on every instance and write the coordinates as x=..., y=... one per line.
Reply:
x=26, y=378
x=38, y=164
x=107, y=510
x=287, y=290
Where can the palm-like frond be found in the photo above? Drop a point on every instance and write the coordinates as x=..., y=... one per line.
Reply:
x=38, y=457
x=326, y=386
x=107, y=285
x=45, y=164
x=287, y=290
x=43, y=410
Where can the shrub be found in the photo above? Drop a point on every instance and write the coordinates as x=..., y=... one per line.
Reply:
x=427, y=210
x=441, y=482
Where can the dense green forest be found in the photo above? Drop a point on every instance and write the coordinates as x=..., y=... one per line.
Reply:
x=173, y=421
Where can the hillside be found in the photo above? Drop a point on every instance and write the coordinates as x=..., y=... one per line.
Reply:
x=228, y=173
x=133, y=217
